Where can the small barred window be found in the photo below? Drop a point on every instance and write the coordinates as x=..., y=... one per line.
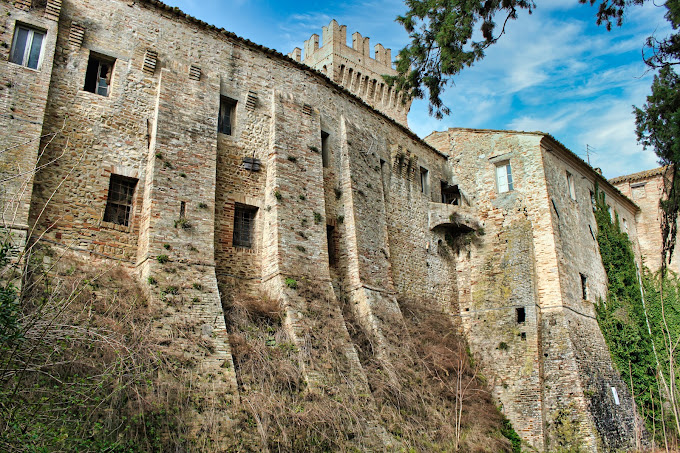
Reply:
x=120, y=199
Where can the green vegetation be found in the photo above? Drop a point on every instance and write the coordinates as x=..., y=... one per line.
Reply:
x=450, y=35
x=162, y=259
x=291, y=283
x=9, y=301
x=657, y=128
x=641, y=334
x=78, y=365
x=182, y=223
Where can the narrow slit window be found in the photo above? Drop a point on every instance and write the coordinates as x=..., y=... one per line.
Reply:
x=424, y=183
x=592, y=200
x=330, y=239
x=182, y=210
x=520, y=314
x=570, y=186
x=244, y=226
x=27, y=47
x=98, y=75
x=225, y=123
x=325, y=150
x=504, y=178
x=584, y=287
x=120, y=200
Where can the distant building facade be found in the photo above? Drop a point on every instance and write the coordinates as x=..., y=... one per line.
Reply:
x=646, y=188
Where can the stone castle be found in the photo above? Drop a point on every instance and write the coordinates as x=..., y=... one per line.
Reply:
x=139, y=135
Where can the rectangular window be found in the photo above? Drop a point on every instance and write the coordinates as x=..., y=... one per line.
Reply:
x=225, y=122
x=625, y=225
x=325, y=150
x=98, y=75
x=182, y=210
x=244, y=226
x=504, y=177
x=424, y=183
x=330, y=239
x=520, y=313
x=27, y=47
x=637, y=190
x=120, y=198
x=450, y=194
x=570, y=185
x=584, y=287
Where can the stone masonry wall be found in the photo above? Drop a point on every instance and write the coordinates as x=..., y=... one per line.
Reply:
x=23, y=97
x=497, y=276
x=575, y=228
x=537, y=241
x=646, y=189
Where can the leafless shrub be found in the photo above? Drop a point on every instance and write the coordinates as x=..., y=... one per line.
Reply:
x=84, y=373
x=438, y=401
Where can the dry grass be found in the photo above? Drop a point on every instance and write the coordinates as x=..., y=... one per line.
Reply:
x=280, y=411
x=431, y=384
x=88, y=375
x=426, y=386
x=84, y=374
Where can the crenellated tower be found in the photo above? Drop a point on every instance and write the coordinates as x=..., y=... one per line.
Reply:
x=355, y=69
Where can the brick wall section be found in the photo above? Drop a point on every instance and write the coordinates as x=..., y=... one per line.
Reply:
x=501, y=273
x=563, y=360
x=646, y=189
x=23, y=97
x=187, y=141
x=575, y=248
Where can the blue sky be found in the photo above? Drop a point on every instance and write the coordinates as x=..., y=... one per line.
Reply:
x=554, y=71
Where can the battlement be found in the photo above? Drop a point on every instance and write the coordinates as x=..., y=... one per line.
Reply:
x=354, y=67
x=335, y=35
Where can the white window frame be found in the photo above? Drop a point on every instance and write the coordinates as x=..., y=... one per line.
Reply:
x=29, y=44
x=570, y=185
x=504, y=181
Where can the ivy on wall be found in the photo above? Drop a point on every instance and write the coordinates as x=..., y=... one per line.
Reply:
x=632, y=327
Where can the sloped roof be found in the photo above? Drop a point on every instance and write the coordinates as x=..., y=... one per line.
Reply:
x=595, y=172
x=646, y=174
x=182, y=15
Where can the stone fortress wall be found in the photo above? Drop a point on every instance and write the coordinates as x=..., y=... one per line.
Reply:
x=645, y=188
x=525, y=308
x=247, y=169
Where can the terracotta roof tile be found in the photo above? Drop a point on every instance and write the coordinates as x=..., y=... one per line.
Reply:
x=639, y=175
x=597, y=175
x=181, y=14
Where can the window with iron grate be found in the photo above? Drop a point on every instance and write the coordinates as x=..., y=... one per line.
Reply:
x=244, y=226
x=120, y=200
